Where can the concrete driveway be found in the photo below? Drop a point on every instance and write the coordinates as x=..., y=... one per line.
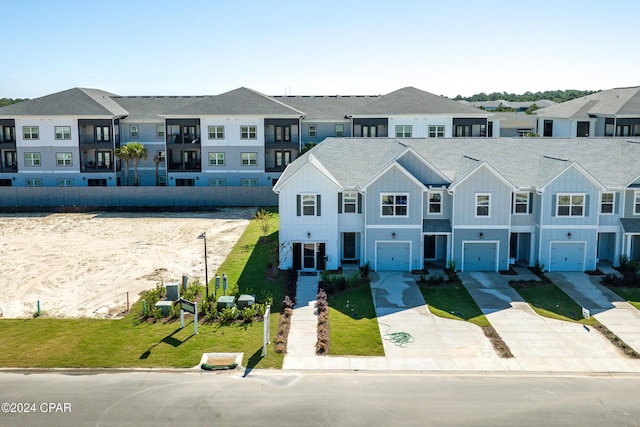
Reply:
x=539, y=343
x=607, y=307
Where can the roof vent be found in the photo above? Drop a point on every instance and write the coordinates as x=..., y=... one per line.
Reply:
x=471, y=158
x=555, y=158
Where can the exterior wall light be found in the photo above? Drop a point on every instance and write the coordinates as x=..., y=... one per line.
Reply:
x=393, y=235
x=569, y=235
x=481, y=235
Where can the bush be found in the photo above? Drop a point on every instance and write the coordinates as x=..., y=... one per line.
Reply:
x=322, y=343
x=151, y=297
x=228, y=315
x=366, y=269
x=284, y=323
x=354, y=279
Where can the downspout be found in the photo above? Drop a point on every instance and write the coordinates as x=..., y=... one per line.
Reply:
x=453, y=223
x=541, y=217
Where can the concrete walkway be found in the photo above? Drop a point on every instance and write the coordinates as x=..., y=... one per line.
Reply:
x=539, y=343
x=607, y=307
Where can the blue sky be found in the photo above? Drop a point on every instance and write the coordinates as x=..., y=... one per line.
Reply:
x=200, y=47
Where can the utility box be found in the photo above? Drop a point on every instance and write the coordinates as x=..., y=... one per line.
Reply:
x=245, y=301
x=225, y=301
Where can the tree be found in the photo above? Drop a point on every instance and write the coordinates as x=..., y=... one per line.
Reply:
x=132, y=152
x=156, y=160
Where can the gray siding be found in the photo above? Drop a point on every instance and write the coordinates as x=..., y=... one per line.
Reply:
x=482, y=181
x=421, y=171
x=571, y=181
x=394, y=182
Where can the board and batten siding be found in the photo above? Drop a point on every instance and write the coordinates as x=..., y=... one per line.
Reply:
x=394, y=181
x=420, y=170
x=571, y=181
x=482, y=181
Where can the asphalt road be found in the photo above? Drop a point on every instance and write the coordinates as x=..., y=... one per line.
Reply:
x=325, y=399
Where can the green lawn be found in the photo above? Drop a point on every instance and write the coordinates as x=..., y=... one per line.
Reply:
x=353, y=323
x=630, y=294
x=548, y=300
x=44, y=342
x=453, y=301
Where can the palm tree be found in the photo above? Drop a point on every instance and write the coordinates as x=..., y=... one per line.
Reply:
x=156, y=160
x=132, y=152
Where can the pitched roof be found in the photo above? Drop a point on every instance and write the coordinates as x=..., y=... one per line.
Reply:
x=241, y=101
x=527, y=163
x=410, y=100
x=71, y=102
x=613, y=102
x=326, y=107
x=151, y=107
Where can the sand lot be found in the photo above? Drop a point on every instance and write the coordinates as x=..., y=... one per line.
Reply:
x=83, y=265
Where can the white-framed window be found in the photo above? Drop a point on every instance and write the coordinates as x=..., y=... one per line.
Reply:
x=249, y=159
x=570, y=204
x=394, y=204
x=134, y=131
x=32, y=159
x=606, y=205
x=216, y=132
x=162, y=156
x=636, y=203
x=436, y=131
x=160, y=131
x=217, y=182
x=63, y=159
x=249, y=182
x=483, y=204
x=339, y=131
x=308, y=204
x=248, y=132
x=435, y=203
x=216, y=159
x=521, y=203
x=313, y=131
x=65, y=182
x=33, y=182
x=30, y=132
x=403, y=131
x=349, y=202
x=63, y=132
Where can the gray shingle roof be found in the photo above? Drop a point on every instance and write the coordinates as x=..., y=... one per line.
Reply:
x=527, y=163
x=151, y=107
x=71, y=102
x=630, y=225
x=619, y=101
x=326, y=107
x=436, y=226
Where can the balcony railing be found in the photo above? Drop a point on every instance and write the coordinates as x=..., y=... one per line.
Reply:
x=191, y=166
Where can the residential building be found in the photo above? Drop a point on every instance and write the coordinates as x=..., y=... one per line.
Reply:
x=405, y=204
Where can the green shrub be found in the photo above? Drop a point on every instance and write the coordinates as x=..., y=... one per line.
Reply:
x=228, y=315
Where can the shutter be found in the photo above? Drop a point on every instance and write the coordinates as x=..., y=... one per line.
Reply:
x=339, y=202
x=586, y=205
x=553, y=205
x=299, y=205
x=513, y=203
x=318, y=203
x=615, y=202
x=359, y=203
x=530, y=203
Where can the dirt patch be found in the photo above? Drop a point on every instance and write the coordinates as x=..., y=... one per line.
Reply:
x=501, y=348
x=83, y=264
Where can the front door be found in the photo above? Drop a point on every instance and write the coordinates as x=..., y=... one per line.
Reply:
x=309, y=256
x=349, y=246
x=430, y=246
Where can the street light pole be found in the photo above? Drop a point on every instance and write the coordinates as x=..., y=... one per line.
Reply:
x=203, y=236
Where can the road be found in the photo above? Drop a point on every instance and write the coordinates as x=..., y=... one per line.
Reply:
x=310, y=399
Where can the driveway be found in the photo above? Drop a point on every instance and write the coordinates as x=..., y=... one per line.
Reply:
x=539, y=343
x=607, y=307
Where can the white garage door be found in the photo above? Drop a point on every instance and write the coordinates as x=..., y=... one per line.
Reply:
x=393, y=256
x=567, y=256
x=480, y=256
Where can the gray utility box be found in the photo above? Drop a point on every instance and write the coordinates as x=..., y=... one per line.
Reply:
x=245, y=301
x=226, y=301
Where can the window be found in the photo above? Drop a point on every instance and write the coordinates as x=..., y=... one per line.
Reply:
x=521, y=203
x=32, y=159
x=312, y=131
x=636, y=204
x=63, y=159
x=30, y=132
x=339, y=131
x=161, y=156
x=283, y=158
x=217, y=182
x=65, y=182
x=606, y=206
x=483, y=204
x=63, y=132
x=283, y=133
x=403, y=131
x=216, y=132
x=160, y=131
x=33, y=182
x=570, y=205
x=216, y=159
x=134, y=132
x=349, y=202
x=436, y=131
x=249, y=159
x=249, y=182
x=394, y=204
x=309, y=204
x=248, y=132
x=435, y=203
x=102, y=134
x=8, y=133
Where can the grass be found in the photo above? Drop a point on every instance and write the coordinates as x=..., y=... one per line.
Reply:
x=353, y=323
x=548, y=300
x=453, y=301
x=632, y=295
x=91, y=343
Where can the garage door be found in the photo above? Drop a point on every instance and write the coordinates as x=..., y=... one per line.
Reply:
x=480, y=256
x=567, y=257
x=393, y=256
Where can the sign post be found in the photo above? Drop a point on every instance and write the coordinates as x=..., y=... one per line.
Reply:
x=267, y=328
x=189, y=307
x=585, y=313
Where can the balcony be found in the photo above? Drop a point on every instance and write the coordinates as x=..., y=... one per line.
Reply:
x=190, y=166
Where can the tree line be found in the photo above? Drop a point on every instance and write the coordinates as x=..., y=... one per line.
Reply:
x=552, y=95
x=9, y=101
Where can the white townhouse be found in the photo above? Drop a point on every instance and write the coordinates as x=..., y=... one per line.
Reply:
x=408, y=203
